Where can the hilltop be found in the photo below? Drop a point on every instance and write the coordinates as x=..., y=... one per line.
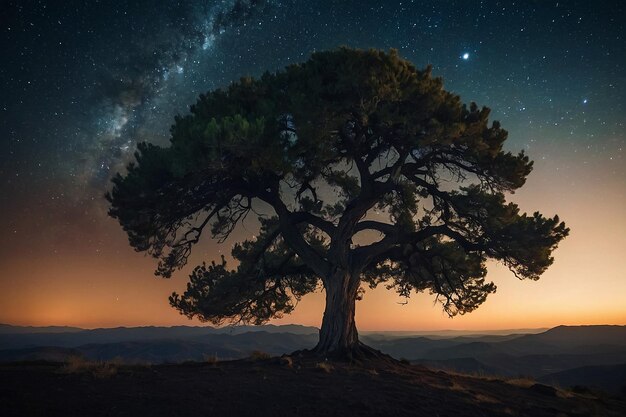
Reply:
x=279, y=387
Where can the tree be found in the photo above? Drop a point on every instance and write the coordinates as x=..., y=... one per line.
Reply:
x=360, y=168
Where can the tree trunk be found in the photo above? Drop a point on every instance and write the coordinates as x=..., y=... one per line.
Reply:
x=338, y=334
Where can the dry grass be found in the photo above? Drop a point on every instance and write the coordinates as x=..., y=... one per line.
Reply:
x=482, y=398
x=477, y=375
x=98, y=369
x=74, y=365
x=324, y=366
x=211, y=359
x=521, y=382
x=452, y=385
x=286, y=361
x=104, y=370
x=258, y=355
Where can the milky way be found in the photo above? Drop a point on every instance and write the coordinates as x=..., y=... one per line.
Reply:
x=140, y=91
x=82, y=82
x=100, y=78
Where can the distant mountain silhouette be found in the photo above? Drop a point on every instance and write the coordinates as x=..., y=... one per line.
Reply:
x=463, y=365
x=220, y=346
x=534, y=355
x=550, y=353
x=467, y=350
x=609, y=378
x=46, y=353
x=579, y=340
x=409, y=347
x=570, y=339
x=583, y=335
x=9, y=329
x=24, y=339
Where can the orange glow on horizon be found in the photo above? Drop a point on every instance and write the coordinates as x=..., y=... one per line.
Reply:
x=116, y=287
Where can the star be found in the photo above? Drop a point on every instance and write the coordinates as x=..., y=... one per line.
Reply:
x=465, y=56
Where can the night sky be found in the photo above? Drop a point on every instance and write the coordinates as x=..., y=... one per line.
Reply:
x=82, y=82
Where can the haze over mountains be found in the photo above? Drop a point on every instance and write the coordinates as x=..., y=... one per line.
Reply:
x=593, y=356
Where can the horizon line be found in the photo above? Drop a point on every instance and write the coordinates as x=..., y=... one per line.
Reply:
x=316, y=327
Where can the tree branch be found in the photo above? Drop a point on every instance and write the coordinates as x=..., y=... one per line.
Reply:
x=295, y=239
x=379, y=250
x=315, y=221
x=386, y=228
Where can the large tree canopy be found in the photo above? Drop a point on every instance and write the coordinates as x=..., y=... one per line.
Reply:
x=360, y=169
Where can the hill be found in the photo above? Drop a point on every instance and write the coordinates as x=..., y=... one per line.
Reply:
x=519, y=355
x=532, y=355
x=609, y=378
x=9, y=329
x=222, y=346
x=15, y=337
x=570, y=339
x=573, y=340
x=279, y=387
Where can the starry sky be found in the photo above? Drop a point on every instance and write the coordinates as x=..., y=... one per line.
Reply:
x=82, y=82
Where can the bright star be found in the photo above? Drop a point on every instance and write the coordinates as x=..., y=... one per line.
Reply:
x=585, y=101
x=465, y=56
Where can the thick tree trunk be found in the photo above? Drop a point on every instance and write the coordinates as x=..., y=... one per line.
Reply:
x=338, y=334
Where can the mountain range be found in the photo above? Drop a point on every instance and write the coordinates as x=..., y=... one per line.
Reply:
x=592, y=356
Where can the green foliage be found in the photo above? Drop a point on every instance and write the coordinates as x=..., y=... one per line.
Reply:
x=350, y=141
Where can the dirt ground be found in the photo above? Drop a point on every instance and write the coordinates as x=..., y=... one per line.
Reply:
x=278, y=387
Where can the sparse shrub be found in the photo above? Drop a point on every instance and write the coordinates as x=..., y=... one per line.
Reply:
x=482, y=398
x=74, y=364
x=104, y=370
x=286, y=361
x=521, y=382
x=453, y=385
x=258, y=355
x=324, y=366
x=118, y=361
x=99, y=369
x=211, y=359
